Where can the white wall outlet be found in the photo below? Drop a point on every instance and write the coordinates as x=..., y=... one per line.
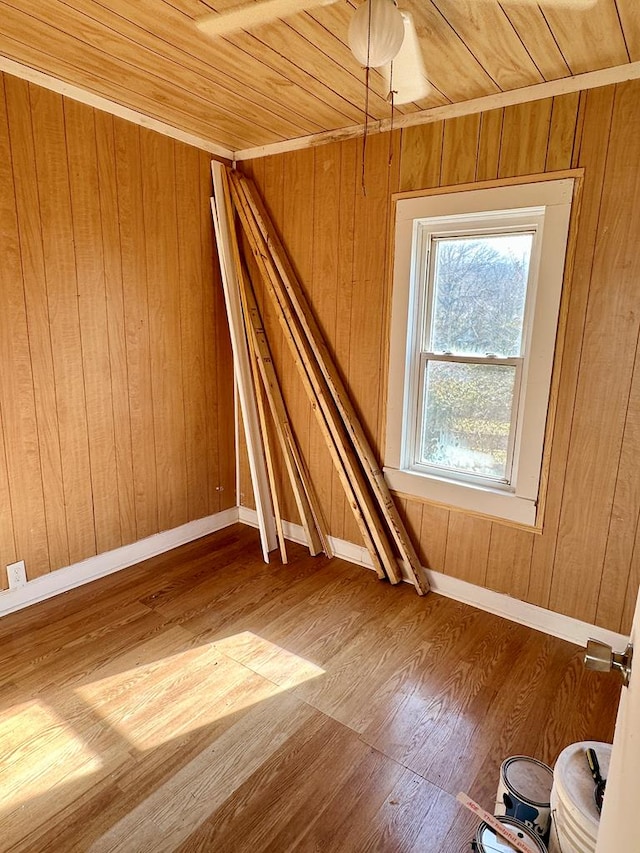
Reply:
x=17, y=574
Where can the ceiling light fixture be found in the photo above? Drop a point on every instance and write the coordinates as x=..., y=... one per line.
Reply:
x=376, y=33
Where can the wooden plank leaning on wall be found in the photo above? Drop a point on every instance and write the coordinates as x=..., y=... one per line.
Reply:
x=255, y=440
x=353, y=457
x=248, y=334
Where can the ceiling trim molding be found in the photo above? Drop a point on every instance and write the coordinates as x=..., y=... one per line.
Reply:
x=537, y=92
x=32, y=75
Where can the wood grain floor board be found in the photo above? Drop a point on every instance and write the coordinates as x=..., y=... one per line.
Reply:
x=351, y=806
x=325, y=748
x=206, y=701
x=61, y=664
x=437, y=716
x=316, y=619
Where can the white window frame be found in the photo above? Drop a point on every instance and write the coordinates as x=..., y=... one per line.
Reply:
x=543, y=206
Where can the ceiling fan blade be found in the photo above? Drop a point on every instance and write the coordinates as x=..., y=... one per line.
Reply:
x=249, y=15
x=410, y=81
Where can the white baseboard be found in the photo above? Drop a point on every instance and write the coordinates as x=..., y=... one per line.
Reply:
x=69, y=577
x=77, y=574
x=547, y=621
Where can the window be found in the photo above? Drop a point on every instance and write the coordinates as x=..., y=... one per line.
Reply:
x=477, y=284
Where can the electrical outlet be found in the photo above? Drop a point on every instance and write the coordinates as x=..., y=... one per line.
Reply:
x=17, y=574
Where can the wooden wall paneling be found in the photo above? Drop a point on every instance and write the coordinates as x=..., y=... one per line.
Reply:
x=219, y=459
x=363, y=366
x=370, y=287
x=421, y=156
x=531, y=26
x=623, y=528
x=159, y=193
x=592, y=156
x=129, y=167
x=467, y=550
x=509, y=563
x=460, y=150
x=577, y=139
x=633, y=584
x=17, y=399
x=553, y=134
x=112, y=252
x=216, y=354
x=524, y=138
x=578, y=31
x=433, y=535
x=62, y=286
x=35, y=290
x=92, y=307
x=341, y=519
x=7, y=540
x=187, y=178
x=511, y=67
x=245, y=497
x=395, y=155
x=605, y=377
x=628, y=11
x=564, y=115
x=326, y=224
x=85, y=211
x=489, y=145
x=411, y=514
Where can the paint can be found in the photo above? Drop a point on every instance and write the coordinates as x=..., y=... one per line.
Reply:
x=524, y=793
x=487, y=841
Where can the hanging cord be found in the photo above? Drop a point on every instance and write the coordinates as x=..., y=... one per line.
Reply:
x=366, y=105
x=364, y=135
x=391, y=100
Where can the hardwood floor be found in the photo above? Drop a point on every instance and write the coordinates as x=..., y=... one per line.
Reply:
x=203, y=701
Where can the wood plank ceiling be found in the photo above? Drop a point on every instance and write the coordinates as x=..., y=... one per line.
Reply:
x=297, y=77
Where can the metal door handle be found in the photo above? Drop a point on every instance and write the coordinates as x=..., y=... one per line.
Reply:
x=601, y=657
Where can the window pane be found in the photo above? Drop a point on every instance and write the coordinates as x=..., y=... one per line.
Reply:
x=467, y=417
x=480, y=285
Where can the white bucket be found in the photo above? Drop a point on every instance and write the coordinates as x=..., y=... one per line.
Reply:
x=487, y=841
x=524, y=792
x=575, y=817
x=567, y=836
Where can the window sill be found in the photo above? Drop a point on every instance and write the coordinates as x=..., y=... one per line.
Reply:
x=466, y=496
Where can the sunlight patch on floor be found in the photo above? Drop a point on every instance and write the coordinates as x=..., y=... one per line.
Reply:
x=154, y=703
x=39, y=751
x=268, y=659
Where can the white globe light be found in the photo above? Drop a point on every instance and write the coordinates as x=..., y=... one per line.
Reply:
x=376, y=32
